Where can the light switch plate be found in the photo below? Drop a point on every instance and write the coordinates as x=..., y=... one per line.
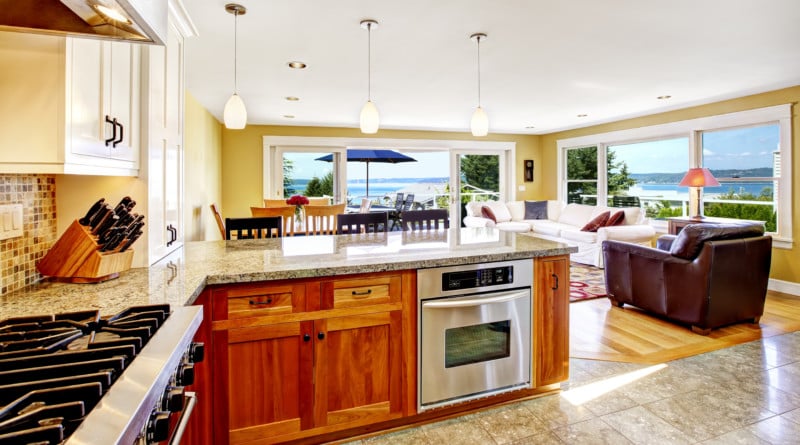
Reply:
x=10, y=221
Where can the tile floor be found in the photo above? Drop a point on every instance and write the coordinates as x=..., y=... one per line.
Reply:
x=745, y=394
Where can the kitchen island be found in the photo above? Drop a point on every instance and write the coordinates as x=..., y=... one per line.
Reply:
x=315, y=338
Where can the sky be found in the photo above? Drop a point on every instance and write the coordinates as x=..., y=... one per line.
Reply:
x=738, y=148
x=428, y=165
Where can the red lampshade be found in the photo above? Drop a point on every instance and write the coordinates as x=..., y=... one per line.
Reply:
x=699, y=177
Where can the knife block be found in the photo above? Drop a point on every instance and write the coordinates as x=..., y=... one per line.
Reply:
x=76, y=258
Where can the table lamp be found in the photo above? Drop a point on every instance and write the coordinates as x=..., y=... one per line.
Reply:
x=697, y=178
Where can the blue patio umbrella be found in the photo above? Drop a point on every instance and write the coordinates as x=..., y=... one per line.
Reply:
x=368, y=155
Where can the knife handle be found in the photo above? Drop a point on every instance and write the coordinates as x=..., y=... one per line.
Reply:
x=92, y=210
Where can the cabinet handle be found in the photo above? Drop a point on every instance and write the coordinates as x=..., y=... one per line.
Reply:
x=555, y=277
x=121, y=133
x=113, y=123
x=364, y=294
x=269, y=301
x=306, y=337
x=321, y=336
x=173, y=235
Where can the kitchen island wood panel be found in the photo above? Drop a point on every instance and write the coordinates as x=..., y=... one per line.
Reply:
x=551, y=315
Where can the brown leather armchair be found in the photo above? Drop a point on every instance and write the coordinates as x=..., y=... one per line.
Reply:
x=709, y=275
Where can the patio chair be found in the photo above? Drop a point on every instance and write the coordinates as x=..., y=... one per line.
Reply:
x=250, y=228
x=394, y=216
x=425, y=219
x=362, y=223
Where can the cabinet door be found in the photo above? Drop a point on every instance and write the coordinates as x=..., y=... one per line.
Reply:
x=358, y=370
x=551, y=329
x=121, y=93
x=268, y=375
x=86, y=105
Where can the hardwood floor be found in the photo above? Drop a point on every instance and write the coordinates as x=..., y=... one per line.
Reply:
x=601, y=332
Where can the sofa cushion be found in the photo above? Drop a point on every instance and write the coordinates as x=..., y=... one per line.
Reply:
x=546, y=227
x=535, y=210
x=596, y=222
x=689, y=242
x=474, y=208
x=516, y=209
x=514, y=226
x=633, y=215
x=501, y=213
x=616, y=219
x=576, y=215
x=579, y=236
x=487, y=212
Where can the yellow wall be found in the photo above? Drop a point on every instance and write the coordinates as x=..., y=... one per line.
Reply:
x=202, y=171
x=242, y=158
x=784, y=262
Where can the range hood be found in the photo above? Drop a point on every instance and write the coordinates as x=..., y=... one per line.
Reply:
x=142, y=21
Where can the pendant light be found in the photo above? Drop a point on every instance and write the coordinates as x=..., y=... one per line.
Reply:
x=370, y=120
x=235, y=114
x=480, y=121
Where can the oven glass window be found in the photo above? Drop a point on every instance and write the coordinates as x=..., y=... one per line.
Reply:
x=477, y=343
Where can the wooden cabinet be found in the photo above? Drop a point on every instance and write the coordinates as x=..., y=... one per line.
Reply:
x=551, y=320
x=57, y=93
x=300, y=358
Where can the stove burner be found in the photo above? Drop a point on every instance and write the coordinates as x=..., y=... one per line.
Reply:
x=54, y=369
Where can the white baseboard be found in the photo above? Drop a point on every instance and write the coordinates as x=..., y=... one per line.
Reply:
x=786, y=287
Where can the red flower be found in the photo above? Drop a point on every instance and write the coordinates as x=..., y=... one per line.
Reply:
x=297, y=200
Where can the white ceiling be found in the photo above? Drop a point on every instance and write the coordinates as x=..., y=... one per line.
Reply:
x=544, y=61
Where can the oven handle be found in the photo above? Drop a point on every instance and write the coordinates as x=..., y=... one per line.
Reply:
x=184, y=420
x=502, y=298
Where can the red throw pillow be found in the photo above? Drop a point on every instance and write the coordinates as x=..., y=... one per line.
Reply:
x=616, y=219
x=597, y=222
x=488, y=213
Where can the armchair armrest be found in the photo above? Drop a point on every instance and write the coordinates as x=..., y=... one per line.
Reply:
x=664, y=242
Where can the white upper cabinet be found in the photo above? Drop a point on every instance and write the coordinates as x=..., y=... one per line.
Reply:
x=70, y=105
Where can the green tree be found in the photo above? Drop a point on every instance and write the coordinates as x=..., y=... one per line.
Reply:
x=320, y=187
x=582, y=165
x=288, y=180
x=481, y=171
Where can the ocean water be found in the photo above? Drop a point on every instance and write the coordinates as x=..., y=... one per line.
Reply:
x=378, y=188
x=674, y=189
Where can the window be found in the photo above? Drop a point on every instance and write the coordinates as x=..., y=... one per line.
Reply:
x=749, y=152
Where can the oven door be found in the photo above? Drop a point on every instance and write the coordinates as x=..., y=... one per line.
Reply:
x=474, y=345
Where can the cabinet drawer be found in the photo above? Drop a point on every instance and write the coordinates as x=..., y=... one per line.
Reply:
x=361, y=291
x=266, y=300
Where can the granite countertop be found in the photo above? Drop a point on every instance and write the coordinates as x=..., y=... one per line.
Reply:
x=180, y=278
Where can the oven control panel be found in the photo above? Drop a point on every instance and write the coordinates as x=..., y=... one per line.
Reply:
x=469, y=279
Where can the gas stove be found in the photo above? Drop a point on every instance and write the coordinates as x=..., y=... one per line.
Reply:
x=80, y=378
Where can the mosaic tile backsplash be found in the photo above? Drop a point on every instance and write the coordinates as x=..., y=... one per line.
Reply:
x=37, y=194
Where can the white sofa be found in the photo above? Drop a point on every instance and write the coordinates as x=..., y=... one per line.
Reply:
x=564, y=224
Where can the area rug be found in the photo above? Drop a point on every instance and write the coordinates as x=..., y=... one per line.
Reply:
x=585, y=282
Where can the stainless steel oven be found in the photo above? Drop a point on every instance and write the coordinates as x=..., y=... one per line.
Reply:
x=475, y=329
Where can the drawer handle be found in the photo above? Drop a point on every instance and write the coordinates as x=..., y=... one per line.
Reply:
x=269, y=301
x=364, y=294
x=321, y=336
x=306, y=337
x=555, y=277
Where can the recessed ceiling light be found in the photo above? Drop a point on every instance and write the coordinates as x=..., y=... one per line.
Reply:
x=582, y=115
x=666, y=96
x=292, y=98
x=297, y=65
x=288, y=116
x=530, y=127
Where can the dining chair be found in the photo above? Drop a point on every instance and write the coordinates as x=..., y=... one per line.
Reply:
x=362, y=222
x=274, y=202
x=425, y=219
x=321, y=220
x=250, y=228
x=286, y=212
x=323, y=201
x=218, y=218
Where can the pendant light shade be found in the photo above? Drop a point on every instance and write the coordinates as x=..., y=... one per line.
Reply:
x=235, y=114
x=370, y=119
x=480, y=120
x=480, y=123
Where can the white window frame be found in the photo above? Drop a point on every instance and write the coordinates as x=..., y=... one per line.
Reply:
x=779, y=114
